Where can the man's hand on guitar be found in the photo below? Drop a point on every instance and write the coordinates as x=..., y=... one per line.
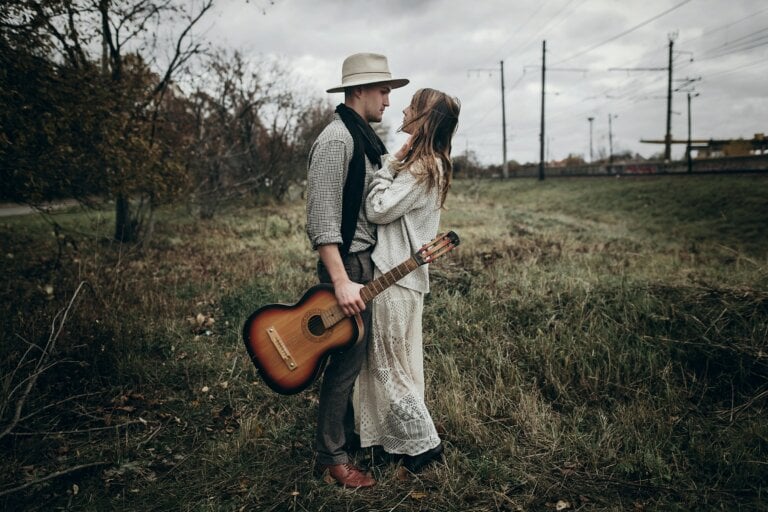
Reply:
x=348, y=296
x=289, y=344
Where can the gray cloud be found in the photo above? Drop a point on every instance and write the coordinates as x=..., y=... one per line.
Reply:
x=437, y=43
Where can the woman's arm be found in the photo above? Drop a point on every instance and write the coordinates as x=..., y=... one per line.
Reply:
x=391, y=196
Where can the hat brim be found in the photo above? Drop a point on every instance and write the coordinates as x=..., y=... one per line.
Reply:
x=394, y=83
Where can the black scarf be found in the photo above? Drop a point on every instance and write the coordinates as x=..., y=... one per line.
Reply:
x=367, y=143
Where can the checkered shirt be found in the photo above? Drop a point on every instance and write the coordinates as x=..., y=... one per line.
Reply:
x=326, y=173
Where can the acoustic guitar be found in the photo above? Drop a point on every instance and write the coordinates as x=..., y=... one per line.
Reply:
x=289, y=344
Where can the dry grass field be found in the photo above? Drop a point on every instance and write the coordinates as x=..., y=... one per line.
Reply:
x=593, y=344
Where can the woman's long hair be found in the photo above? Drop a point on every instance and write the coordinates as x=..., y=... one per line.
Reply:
x=434, y=119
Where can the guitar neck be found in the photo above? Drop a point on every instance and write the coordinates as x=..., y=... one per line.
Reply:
x=334, y=315
x=381, y=283
x=428, y=253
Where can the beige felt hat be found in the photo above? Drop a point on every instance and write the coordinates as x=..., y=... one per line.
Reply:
x=366, y=68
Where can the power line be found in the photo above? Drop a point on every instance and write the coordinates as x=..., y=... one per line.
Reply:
x=519, y=28
x=482, y=118
x=545, y=26
x=536, y=36
x=628, y=31
x=631, y=90
x=706, y=32
x=503, y=119
x=739, y=68
x=734, y=41
x=742, y=47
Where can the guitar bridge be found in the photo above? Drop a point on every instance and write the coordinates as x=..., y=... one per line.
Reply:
x=277, y=341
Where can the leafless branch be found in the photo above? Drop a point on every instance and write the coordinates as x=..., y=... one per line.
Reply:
x=57, y=325
x=55, y=404
x=152, y=9
x=77, y=49
x=181, y=56
x=140, y=421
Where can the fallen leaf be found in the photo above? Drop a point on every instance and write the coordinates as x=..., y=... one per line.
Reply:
x=402, y=474
x=418, y=495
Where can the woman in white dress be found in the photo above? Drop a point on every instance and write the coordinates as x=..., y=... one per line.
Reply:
x=404, y=199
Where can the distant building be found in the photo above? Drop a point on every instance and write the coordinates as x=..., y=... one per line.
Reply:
x=715, y=148
x=731, y=147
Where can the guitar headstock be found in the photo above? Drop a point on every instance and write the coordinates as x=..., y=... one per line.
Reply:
x=443, y=243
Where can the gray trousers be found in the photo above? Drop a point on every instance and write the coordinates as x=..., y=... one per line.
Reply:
x=336, y=419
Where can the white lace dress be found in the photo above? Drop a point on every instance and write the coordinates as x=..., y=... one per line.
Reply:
x=389, y=393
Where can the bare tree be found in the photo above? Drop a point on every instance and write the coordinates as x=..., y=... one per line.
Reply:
x=121, y=38
x=121, y=23
x=253, y=128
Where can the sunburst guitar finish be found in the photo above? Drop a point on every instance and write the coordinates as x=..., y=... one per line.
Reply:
x=289, y=344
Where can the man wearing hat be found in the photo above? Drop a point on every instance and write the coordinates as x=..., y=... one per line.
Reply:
x=341, y=163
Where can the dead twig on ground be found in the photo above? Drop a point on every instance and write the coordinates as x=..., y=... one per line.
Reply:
x=57, y=325
x=52, y=476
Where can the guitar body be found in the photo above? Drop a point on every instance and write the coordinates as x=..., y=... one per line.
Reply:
x=289, y=343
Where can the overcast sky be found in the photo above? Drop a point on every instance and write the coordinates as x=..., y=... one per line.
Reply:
x=443, y=43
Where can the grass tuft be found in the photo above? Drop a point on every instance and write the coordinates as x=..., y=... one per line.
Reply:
x=594, y=343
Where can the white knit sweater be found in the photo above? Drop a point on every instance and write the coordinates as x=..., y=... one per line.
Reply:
x=408, y=216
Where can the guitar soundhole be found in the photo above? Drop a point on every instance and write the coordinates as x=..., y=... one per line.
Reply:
x=316, y=326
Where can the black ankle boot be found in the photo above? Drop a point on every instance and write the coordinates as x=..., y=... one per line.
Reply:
x=415, y=463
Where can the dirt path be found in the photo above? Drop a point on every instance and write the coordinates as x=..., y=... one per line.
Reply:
x=14, y=209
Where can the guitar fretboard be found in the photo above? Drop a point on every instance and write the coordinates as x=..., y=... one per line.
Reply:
x=383, y=282
x=333, y=315
x=428, y=253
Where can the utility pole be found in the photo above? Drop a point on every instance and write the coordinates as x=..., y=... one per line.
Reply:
x=590, y=119
x=543, y=82
x=504, y=165
x=688, y=146
x=610, y=143
x=687, y=88
x=542, y=134
x=668, y=136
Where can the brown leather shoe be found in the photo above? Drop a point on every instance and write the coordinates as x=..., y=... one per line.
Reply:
x=349, y=476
